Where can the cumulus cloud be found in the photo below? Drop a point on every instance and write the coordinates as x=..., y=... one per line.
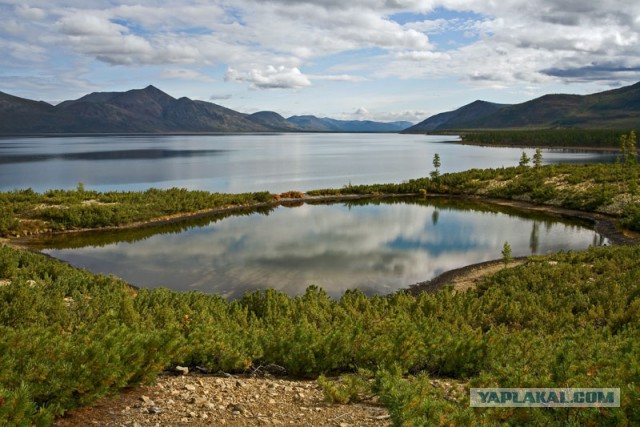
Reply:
x=268, y=44
x=271, y=77
x=363, y=113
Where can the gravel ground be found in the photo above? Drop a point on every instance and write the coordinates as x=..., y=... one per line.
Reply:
x=206, y=400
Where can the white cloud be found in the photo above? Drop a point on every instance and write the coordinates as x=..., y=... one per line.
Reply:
x=265, y=44
x=89, y=25
x=270, y=78
x=363, y=113
x=31, y=13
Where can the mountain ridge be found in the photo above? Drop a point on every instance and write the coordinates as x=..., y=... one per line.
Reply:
x=615, y=108
x=150, y=110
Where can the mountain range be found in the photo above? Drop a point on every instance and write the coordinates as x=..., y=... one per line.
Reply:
x=613, y=109
x=151, y=110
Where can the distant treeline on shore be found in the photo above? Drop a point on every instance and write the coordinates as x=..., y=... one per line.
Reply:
x=597, y=138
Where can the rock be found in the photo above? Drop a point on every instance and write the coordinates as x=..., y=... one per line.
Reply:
x=190, y=387
x=199, y=401
x=236, y=408
x=202, y=370
x=182, y=370
x=153, y=410
x=147, y=400
x=238, y=384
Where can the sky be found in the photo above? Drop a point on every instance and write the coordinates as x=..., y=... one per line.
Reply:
x=382, y=60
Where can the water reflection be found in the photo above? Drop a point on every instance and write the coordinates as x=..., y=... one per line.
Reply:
x=377, y=246
x=149, y=154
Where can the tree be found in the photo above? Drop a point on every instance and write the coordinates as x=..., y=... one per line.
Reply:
x=524, y=160
x=537, y=159
x=436, y=164
x=506, y=254
x=628, y=148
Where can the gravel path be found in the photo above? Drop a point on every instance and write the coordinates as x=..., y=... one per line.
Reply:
x=206, y=400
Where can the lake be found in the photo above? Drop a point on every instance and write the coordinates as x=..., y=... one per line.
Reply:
x=376, y=246
x=235, y=163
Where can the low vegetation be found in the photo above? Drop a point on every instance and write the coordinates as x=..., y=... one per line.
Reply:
x=606, y=188
x=27, y=212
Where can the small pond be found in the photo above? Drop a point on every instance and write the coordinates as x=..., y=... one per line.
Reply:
x=377, y=246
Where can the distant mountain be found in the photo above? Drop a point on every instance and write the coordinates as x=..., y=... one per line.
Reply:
x=315, y=124
x=274, y=121
x=150, y=110
x=475, y=111
x=618, y=108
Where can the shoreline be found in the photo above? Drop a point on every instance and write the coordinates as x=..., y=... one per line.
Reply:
x=547, y=147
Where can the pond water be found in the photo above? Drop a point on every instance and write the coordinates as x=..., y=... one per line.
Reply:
x=376, y=246
x=234, y=163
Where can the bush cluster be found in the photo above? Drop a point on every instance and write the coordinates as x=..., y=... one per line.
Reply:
x=572, y=319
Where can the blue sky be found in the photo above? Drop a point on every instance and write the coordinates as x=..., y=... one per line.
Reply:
x=361, y=59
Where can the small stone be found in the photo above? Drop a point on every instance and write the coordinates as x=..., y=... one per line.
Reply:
x=153, y=410
x=190, y=387
x=382, y=417
x=182, y=370
x=236, y=408
x=147, y=400
x=137, y=425
x=345, y=425
x=272, y=401
x=192, y=414
x=238, y=384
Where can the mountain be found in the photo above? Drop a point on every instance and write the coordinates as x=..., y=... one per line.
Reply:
x=617, y=108
x=274, y=121
x=19, y=114
x=315, y=124
x=475, y=111
x=151, y=110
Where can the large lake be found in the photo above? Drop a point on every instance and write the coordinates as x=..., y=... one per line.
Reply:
x=378, y=247
x=236, y=163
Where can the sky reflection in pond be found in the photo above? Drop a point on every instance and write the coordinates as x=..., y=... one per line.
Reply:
x=376, y=247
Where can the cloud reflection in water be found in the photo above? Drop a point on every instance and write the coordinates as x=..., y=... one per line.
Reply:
x=378, y=248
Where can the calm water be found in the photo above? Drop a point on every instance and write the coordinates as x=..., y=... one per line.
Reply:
x=376, y=247
x=243, y=162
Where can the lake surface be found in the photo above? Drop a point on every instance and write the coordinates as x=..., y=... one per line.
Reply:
x=378, y=247
x=234, y=163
